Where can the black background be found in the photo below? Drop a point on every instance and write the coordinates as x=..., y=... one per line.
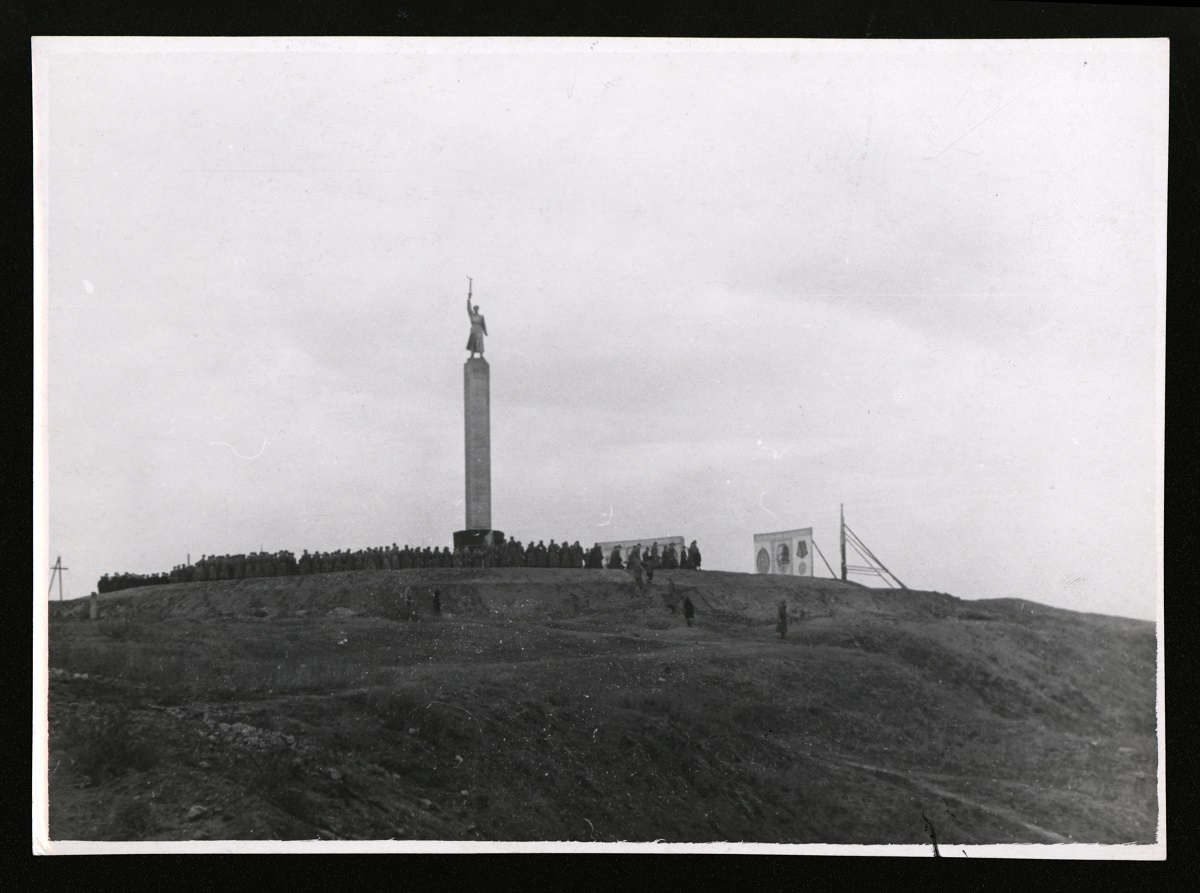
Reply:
x=22, y=19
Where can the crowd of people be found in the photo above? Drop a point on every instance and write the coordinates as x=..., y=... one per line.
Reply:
x=668, y=559
x=117, y=582
x=511, y=553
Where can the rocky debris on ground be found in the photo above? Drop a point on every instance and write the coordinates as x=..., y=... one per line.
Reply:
x=254, y=617
x=245, y=735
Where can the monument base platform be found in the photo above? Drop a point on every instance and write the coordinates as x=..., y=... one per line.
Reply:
x=464, y=538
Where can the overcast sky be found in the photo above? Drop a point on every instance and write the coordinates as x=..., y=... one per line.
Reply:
x=729, y=286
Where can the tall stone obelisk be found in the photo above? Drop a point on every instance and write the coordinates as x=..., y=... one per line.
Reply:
x=477, y=428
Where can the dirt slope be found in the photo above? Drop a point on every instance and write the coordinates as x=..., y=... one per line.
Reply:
x=552, y=704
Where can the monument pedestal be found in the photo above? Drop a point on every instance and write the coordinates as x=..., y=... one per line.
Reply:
x=478, y=448
x=464, y=538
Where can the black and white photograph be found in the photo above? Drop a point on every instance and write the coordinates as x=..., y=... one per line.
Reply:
x=600, y=445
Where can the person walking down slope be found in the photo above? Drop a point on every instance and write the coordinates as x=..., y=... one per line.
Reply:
x=634, y=566
x=672, y=597
x=437, y=603
x=649, y=564
x=781, y=626
x=689, y=610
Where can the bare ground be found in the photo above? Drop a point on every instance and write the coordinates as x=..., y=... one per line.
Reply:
x=563, y=705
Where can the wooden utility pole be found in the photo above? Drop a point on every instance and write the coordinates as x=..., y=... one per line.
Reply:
x=842, y=536
x=56, y=570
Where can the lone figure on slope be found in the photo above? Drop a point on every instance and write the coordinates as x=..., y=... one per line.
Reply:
x=634, y=566
x=781, y=626
x=478, y=326
x=689, y=610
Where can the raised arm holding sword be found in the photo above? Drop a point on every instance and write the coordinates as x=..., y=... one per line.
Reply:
x=478, y=326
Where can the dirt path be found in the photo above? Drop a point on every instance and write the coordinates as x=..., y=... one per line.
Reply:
x=1047, y=835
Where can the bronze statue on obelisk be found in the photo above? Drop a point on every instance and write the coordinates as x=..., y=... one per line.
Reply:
x=478, y=325
x=477, y=436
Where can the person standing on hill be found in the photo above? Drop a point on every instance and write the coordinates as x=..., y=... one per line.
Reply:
x=689, y=610
x=614, y=560
x=781, y=626
x=437, y=603
x=670, y=560
x=694, y=555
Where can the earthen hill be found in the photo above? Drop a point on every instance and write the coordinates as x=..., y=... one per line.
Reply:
x=554, y=704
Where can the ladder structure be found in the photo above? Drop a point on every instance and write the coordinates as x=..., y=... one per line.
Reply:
x=873, y=565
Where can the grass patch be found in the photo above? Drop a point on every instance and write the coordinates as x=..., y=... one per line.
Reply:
x=275, y=776
x=120, y=628
x=395, y=706
x=132, y=820
x=107, y=744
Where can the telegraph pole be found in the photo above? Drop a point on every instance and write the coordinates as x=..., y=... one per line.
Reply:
x=56, y=570
x=842, y=536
